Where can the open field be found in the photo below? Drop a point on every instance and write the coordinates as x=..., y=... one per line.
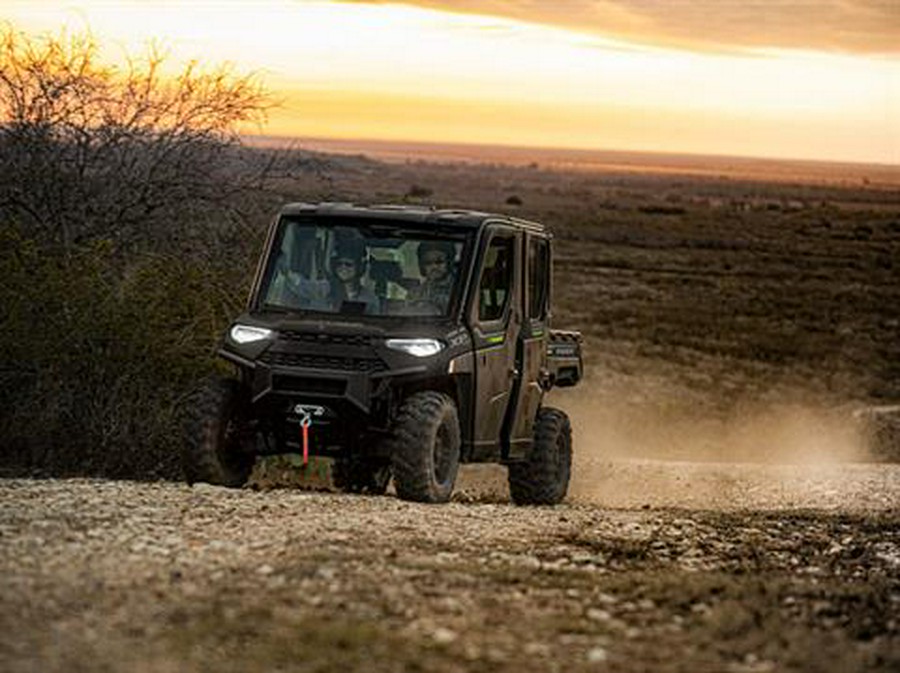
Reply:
x=703, y=296
x=771, y=170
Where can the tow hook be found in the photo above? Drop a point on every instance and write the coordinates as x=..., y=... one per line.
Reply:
x=306, y=413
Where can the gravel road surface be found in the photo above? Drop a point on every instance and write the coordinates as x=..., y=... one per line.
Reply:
x=651, y=567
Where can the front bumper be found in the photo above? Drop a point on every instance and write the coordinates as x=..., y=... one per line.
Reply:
x=354, y=378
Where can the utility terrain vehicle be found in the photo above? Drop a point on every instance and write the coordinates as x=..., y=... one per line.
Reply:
x=399, y=341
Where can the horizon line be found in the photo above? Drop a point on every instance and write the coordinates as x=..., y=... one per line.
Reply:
x=397, y=144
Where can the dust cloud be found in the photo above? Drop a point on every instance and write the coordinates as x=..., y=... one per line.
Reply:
x=669, y=451
x=790, y=431
x=757, y=455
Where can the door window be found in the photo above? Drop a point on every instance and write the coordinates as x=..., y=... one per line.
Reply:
x=538, y=278
x=495, y=287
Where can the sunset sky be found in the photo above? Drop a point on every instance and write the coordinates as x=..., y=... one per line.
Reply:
x=814, y=79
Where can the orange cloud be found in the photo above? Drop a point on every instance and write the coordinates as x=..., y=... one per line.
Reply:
x=849, y=26
x=359, y=115
x=407, y=72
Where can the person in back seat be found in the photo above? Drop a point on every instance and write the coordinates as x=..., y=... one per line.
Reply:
x=436, y=267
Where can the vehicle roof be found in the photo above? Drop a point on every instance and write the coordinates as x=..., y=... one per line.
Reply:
x=468, y=219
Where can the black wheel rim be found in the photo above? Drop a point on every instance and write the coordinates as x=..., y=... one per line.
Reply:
x=228, y=444
x=381, y=475
x=232, y=447
x=441, y=458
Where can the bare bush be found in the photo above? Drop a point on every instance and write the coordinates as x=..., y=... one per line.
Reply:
x=124, y=197
x=419, y=192
x=94, y=365
x=124, y=153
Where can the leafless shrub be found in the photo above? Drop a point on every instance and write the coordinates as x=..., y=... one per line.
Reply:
x=93, y=150
x=662, y=210
x=419, y=192
x=125, y=196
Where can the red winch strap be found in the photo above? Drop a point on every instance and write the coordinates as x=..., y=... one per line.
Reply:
x=305, y=430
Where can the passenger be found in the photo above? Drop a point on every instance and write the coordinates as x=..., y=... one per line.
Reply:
x=436, y=267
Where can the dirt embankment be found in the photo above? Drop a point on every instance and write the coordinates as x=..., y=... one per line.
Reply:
x=107, y=576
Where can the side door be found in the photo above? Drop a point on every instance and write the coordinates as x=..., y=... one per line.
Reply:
x=531, y=346
x=496, y=319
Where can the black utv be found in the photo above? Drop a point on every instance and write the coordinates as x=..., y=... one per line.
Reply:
x=398, y=341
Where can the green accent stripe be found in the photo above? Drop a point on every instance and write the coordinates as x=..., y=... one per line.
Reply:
x=496, y=339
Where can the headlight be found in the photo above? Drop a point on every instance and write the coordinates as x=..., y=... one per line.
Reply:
x=421, y=348
x=245, y=334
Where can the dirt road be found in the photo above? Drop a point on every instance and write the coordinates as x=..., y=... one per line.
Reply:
x=111, y=576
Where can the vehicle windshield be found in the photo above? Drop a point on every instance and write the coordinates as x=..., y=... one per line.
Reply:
x=362, y=268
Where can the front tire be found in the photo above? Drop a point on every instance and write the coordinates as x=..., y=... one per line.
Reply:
x=543, y=478
x=213, y=447
x=425, y=448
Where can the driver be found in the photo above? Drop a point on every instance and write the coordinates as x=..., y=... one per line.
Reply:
x=343, y=283
x=348, y=264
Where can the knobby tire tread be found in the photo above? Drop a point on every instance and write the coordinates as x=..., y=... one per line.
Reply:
x=537, y=481
x=418, y=421
x=204, y=457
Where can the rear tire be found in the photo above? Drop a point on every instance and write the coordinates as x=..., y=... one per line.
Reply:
x=212, y=450
x=425, y=447
x=543, y=478
x=361, y=475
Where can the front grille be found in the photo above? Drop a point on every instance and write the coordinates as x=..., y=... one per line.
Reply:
x=307, y=361
x=307, y=384
x=322, y=339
